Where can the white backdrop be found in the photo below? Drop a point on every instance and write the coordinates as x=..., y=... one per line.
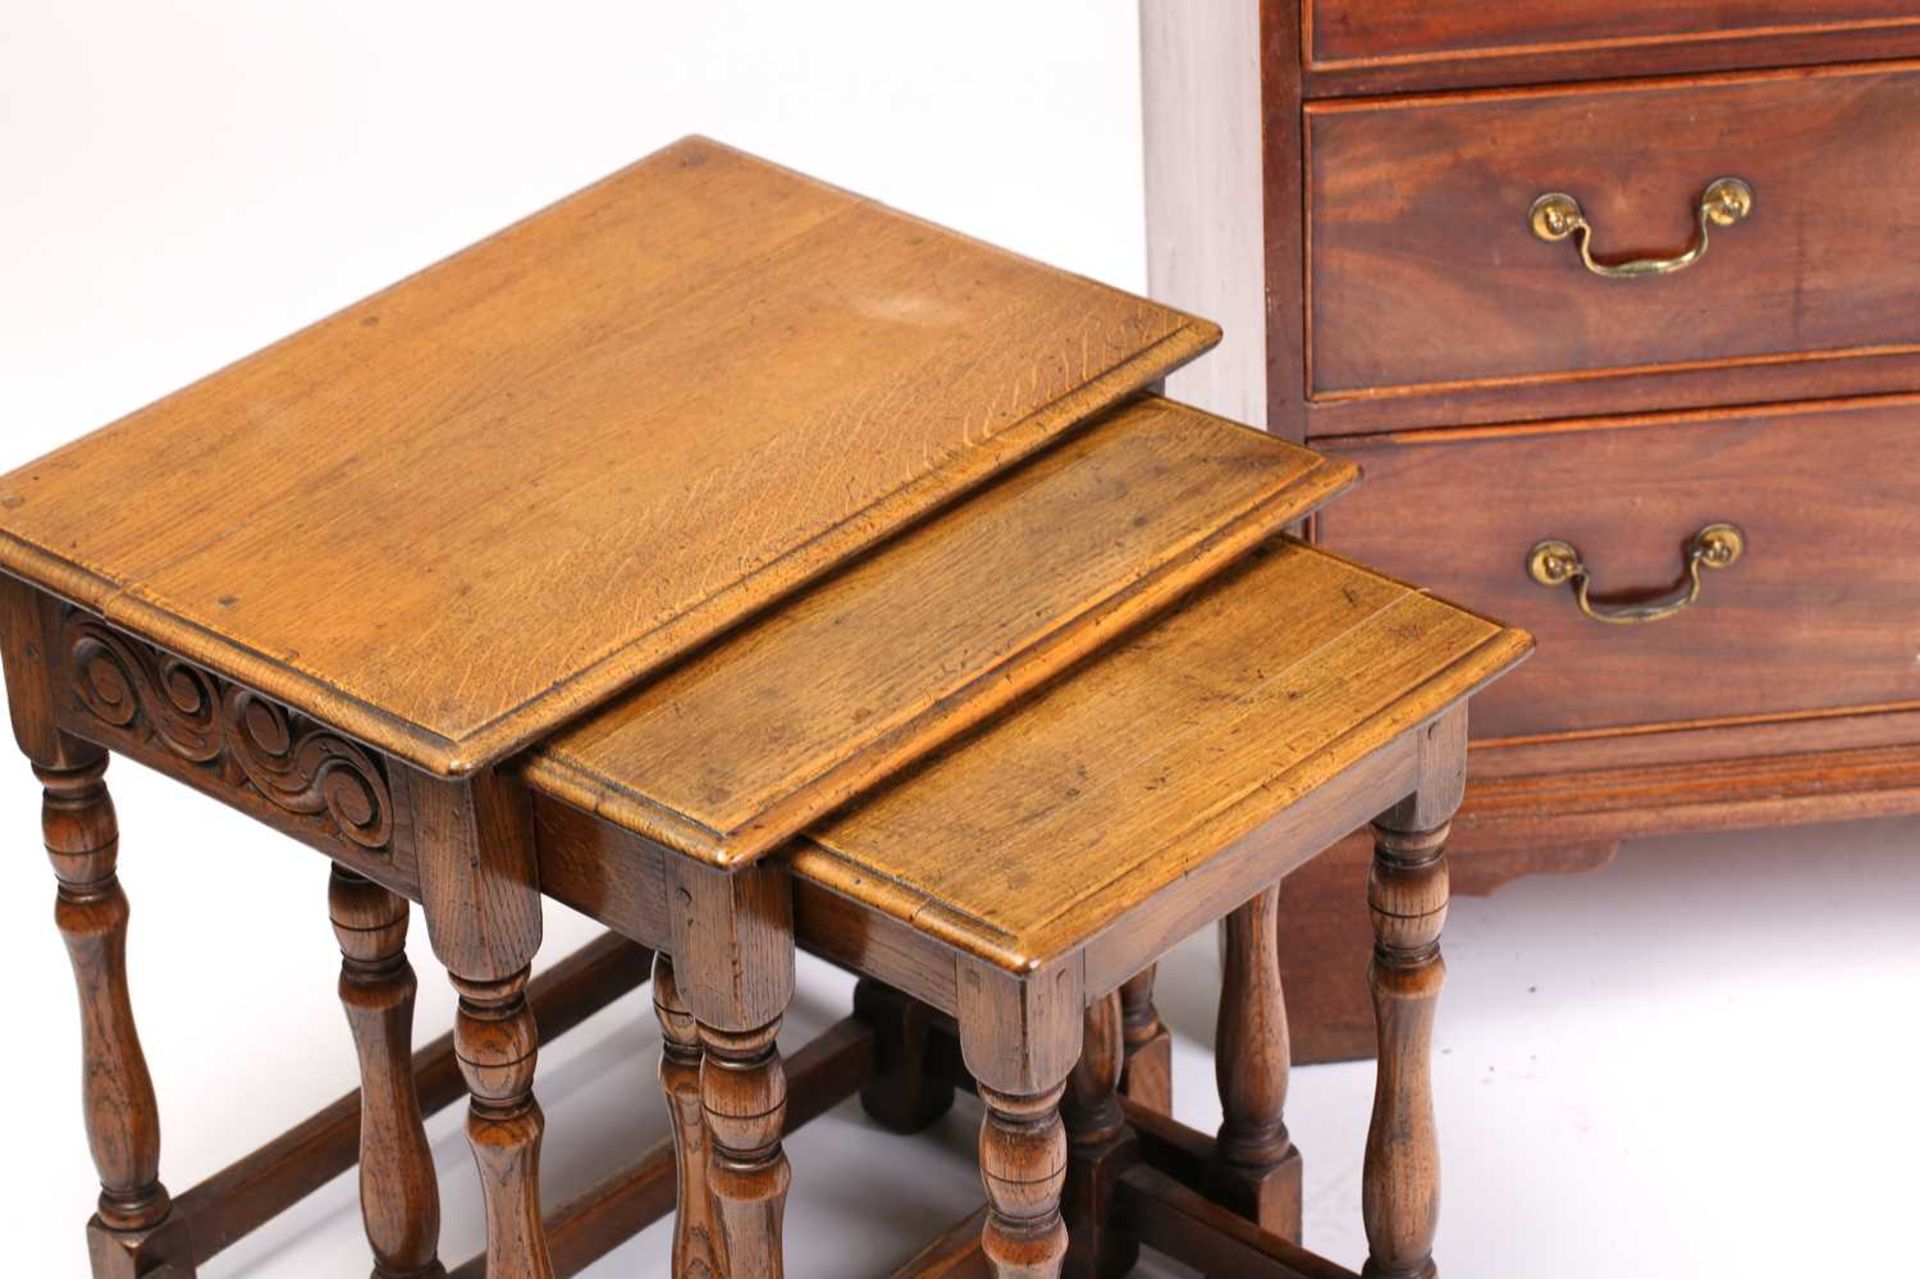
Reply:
x=1699, y=1062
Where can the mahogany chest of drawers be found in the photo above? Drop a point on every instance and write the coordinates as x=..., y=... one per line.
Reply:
x=1618, y=307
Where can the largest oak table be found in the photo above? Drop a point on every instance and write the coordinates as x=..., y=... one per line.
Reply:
x=341, y=583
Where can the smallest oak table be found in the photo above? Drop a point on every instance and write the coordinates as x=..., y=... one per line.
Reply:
x=1015, y=879
x=341, y=583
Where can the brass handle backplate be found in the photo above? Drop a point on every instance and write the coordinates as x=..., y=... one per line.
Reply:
x=1726, y=201
x=1556, y=563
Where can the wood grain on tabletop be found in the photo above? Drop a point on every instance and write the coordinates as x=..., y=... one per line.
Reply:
x=456, y=513
x=1024, y=840
x=737, y=750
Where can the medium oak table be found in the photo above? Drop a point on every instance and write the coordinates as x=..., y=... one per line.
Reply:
x=340, y=583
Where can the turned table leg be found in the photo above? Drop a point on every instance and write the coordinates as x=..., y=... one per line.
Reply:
x=1407, y=900
x=497, y=1043
x=1023, y=1160
x=1256, y=1170
x=743, y=1093
x=1099, y=1146
x=1021, y=1036
x=1407, y=895
x=399, y=1195
x=1148, y=1074
x=697, y=1239
x=123, y=1118
x=479, y=884
x=732, y=964
x=905, y=1093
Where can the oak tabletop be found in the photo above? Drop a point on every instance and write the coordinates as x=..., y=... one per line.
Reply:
x=733, y=752
x=1023, y=841
x=462, y=511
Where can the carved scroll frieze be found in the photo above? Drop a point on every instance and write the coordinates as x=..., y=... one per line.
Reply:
x=298, y=765
x=125, y=684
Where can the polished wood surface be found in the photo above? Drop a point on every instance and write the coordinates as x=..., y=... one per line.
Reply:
x=1818, y=616
x=1407, y=30
x=1438, y=321
x=532, y=473
x=1106, y=789
x=1425, y=275
x=734, y=752
x=1462, y=46
x=1758, y=383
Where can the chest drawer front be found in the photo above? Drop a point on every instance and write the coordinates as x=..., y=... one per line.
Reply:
x=1360, y=31
x=1820, y=613
x=1426, y=275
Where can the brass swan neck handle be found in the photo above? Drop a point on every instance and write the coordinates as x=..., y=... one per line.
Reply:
x=1556, y=563
x=1556, y=216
